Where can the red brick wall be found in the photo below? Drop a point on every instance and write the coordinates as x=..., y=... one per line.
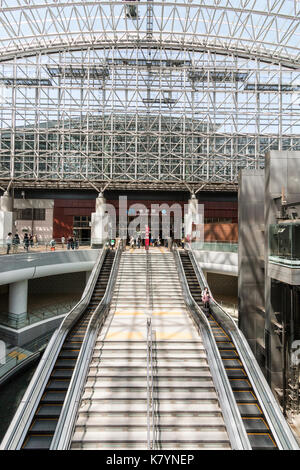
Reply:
x=65, y=210
x=221, y=232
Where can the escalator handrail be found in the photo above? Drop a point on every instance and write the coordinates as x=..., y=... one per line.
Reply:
x=232, y=418
x=279, y=427
x=21, y=422
x=67, y=420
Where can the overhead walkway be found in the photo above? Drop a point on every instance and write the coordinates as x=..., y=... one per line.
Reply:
x=186, y=409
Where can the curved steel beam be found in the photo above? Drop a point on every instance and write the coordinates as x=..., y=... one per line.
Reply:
x=268, y=31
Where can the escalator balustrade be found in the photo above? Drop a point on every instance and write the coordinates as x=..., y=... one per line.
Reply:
x=44, y=422
x=258, y=431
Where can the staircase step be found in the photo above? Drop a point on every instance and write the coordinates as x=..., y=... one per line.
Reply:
x=109, y=435
x=135, y=406
x=134, y=421
x=136, y=394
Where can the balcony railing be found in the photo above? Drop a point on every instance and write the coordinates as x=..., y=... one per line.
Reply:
x=230, y=247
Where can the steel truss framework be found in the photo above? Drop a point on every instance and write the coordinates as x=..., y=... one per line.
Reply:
x=176, y=94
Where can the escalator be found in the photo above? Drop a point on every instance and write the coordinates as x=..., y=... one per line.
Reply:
x=253, y=418
x=44, y=422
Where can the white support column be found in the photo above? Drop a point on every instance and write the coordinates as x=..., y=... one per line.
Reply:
x=192, y=217
x=18, y=295
x=99, y=228
x=6, y=217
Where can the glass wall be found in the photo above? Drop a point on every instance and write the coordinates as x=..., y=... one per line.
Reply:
x=284, y=241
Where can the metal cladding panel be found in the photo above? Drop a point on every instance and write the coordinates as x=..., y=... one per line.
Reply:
x=251, y=253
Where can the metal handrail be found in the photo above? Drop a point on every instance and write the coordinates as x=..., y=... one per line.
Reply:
x=281, y=431
x=150, y=368
x=149, y=283
x=150, y=388
x=235, y=428
x=19, y=426
x=67, y=421
x=149, y=383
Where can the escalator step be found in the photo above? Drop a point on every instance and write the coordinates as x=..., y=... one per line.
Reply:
x=45, y=426
x=49, y=411
x=62, y=374
x=77, y=337
x=262, y=441
x=38, y=442
x=249, y=410
x=232, y=362
x=244, y=396
x=58, y=384
x=72, y=345
x=236, y=373
x=65, y=363
x=225, y=345
x=68, y=354
x=255, y=425
x=239, y=384
x=55, y=397
x=218, y=333
x=231, y=354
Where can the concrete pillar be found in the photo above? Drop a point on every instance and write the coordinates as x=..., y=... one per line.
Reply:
x=17, y=303
x=6, y=216
x=99, y=228
x=190, y=218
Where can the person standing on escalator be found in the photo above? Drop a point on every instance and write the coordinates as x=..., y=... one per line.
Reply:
x=206, y=298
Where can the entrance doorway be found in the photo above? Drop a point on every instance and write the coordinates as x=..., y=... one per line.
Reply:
x=82, y=229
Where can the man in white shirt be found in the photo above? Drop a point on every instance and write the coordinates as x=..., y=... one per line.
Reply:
x=8, y=242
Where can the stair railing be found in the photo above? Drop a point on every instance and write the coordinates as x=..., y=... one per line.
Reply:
x=150, y=388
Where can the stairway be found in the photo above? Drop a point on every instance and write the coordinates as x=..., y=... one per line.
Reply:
x=113, y=411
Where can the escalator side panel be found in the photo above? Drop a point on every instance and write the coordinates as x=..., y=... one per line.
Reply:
x=258, y=431
x=44, y=422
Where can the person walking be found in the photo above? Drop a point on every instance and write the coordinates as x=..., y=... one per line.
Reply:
x=8, y=242
x=16, y=243
x=52, y=244
x=132, y=242
x=138, y=240
x=63, y=242
x=26, y=242
x=31, y=241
